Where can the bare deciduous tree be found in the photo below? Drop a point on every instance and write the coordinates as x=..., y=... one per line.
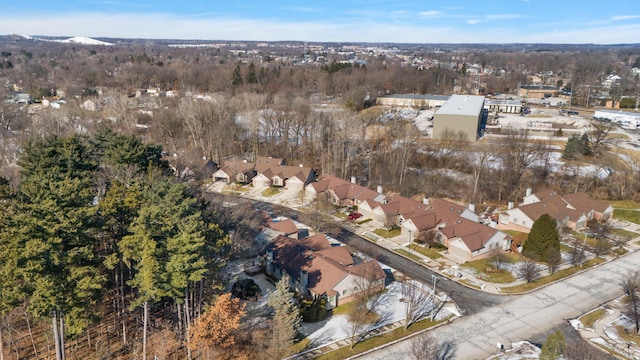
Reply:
x=631, y=286
x=425, y=346
x=601, y=247
x=528, y=270
x=497, y=257
x=553, y=259
x=416, y=302
x=582, y=350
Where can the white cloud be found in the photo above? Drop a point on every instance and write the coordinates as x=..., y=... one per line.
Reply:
x=476, y=21
x=429, y=13
x=624, y=17
x=163, y=26
x=503, y=16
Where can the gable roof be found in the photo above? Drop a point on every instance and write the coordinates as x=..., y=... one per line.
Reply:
x=287, y=226
x=233, y=167
x=325, y=265
x=474, y=235
x=264, y=162
x=582, y=201
x=554, y=206
x=286, y=172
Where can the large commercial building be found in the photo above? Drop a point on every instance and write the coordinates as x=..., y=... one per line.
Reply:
x=503, y=106
x=537, y=91
x=628, y=120
x=413, y=100
x=461, y=114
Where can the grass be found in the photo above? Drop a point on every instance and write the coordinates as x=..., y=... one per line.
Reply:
x=363, y=221
x=589, y=319
x=271, y=191
x=627, y=214
x=628, y=335
x=395, y=231
x=406, y=253
x=431, y=253
x=626, y=234
x=620, y=136
x=619, y=251
x=565, y=248
x=625, y=204
x=549, y=279
x=485, y=270
x=373, y=342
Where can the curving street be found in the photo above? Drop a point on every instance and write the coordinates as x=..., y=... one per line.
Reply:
x=492, y=319
x=527, y=316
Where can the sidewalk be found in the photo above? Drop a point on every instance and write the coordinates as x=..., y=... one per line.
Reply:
x=600, y=336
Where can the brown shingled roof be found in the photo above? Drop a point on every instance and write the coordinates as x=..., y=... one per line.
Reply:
x=287, y=226
x=326, y=265
x=554, y=205
x=585, y=203
x=473, y=234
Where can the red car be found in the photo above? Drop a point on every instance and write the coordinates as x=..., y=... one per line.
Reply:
x=354, y=216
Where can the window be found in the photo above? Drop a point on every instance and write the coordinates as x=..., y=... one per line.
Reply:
x=344, y=292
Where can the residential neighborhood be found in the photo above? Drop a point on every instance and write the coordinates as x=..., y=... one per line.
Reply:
x=403, y=191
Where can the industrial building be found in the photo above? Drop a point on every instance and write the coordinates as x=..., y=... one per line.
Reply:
x=503, y=106
x=628, y=120
x=461, y=113
x=537, y=91
x=426, y=101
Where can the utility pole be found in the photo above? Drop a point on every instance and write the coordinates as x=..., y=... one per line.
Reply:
x=435, y=279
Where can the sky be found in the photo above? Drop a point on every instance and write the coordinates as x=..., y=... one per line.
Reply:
x=384, y=21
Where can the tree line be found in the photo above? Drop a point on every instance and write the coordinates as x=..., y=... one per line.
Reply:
x=100, y=220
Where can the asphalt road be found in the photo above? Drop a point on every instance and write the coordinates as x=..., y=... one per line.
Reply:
x=469, y=301
x=528, y=316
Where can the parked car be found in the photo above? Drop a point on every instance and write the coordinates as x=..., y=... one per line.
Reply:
x=354, y=216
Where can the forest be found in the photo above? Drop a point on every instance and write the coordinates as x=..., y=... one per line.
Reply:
x=109, y=247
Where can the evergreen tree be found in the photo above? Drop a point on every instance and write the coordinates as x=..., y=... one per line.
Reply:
x=286, y=319
x=553, y=347
x=53, y=234
x=543, y=236
x=236, y=76
x=251, y=74
x=166, y=247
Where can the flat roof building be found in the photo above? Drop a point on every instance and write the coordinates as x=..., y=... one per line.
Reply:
x=503, y=106
x=413, y=100
x=537, y=91
x=460, y=114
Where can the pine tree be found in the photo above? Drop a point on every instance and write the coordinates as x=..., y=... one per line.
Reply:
x=165, y=248
x=286, y=319
x=236, y=77
x=553, y=347
x=54, y=229
x=543, y=236
x=251, y=74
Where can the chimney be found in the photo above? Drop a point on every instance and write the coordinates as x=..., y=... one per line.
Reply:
x=472, y=207
x=304, y=278
x=301, y=165
x=425, y=200
x=510, y=205
x=353, y=179
x=379, y=189
x=528, y=192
